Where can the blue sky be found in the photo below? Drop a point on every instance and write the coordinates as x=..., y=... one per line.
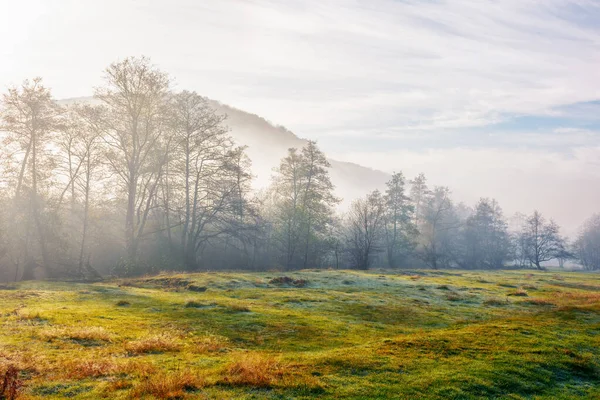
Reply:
x=464, y=90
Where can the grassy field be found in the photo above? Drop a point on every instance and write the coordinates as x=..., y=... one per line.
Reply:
x=320, y=334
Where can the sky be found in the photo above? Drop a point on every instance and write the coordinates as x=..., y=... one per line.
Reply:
x=492, y=98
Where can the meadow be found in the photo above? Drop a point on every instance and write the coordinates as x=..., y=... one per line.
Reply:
x=303, y=335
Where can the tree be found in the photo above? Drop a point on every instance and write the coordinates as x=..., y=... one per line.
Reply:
x=30, y=116
x=400, y=231
x=486, y=239
x=541, y=239
x=303, y=204
x=81, y=155
x=419, y=195
x=317, y=198
x=587, y=245
x=365, y=229
x=438, y=231
x=210, y=176
x=137, y=138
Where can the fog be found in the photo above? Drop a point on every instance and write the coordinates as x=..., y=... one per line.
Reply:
x=440, y=114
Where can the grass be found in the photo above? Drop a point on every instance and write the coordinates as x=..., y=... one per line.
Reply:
x=333, y=334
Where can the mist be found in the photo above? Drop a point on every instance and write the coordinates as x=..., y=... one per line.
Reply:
x=299, y=199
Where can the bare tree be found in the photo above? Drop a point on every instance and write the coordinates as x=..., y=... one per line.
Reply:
x=365, y=229
x=30, y=116
x=542, y=239
x=208, y=173
x=587, y=245
x=80, y=142
x=136, y=136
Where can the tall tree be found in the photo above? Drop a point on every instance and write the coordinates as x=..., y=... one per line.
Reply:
x=303, y=197
x=365, y=230
x=400, y=232
x=137, y=135
x=439, y=228
x=419, y=195
x=486, y=239
x=207, y=170
x=29, y=116
x=81, y=156
x=587, y=245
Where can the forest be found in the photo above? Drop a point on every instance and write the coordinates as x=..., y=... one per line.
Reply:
x=144, y=179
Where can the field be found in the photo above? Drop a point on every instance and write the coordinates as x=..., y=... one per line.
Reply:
x=310, y=334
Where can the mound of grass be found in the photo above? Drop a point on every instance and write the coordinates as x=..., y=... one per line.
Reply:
x=286, y=280
x=254, y=370
x=174, y=385
x=153, y=344
x=91, y=334
x=495, y=301
x=196, y=288
x=520, y=292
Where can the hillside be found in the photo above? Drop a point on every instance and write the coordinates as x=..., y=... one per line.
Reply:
x=268, y=143
x=310, y=334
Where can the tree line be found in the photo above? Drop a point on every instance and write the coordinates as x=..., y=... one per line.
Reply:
x=145, y=178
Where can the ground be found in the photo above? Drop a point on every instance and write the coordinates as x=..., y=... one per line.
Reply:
x=310, y=334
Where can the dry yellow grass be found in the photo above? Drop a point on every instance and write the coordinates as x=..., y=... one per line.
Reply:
x=211, y=344
x=254, y=370
x=153, y=344
x=91, y=333
x=75, y=369
x=174, y=385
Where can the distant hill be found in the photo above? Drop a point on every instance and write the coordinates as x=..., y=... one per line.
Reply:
x=268, y=144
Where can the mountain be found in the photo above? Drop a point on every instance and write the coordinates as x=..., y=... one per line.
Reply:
x=268, y=144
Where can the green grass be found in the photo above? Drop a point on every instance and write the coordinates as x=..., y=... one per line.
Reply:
x=341, y=334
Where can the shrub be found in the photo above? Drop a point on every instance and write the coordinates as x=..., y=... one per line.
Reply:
x=123, y=303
